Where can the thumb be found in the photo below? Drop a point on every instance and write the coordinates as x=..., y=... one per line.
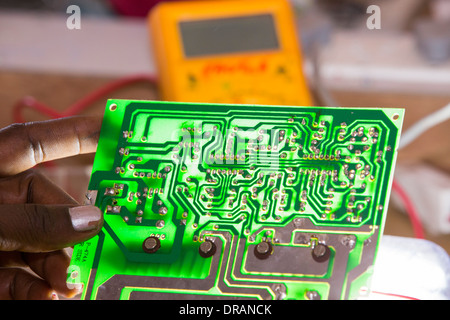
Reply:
x=40, y=228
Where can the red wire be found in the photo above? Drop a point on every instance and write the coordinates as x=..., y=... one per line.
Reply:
x=32, y=103
x=395, y=295
x=410, y=209
x=79, y=106
x=83, y=103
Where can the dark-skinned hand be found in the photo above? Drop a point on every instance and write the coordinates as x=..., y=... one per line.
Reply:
x=37, y=218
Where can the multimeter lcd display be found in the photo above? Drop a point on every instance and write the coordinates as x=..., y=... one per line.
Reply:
x=228, y=35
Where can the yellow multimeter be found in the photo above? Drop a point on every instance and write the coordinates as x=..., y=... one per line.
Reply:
x=228, y=51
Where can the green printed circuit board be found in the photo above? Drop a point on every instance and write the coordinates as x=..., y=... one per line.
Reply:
x=216, y=201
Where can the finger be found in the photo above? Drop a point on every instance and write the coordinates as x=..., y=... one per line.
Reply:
x=18, y=284
x=42, y=228
x=32, y=187
x=22, y=146
x=12, y=259
x=52, y=267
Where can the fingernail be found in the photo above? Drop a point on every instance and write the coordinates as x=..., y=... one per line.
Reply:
x=54, y=296
x=85, y=218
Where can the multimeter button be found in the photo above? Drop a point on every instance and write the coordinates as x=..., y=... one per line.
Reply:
x=192, y=78
x=226, y=85
x=281, y=70
x=250, y=99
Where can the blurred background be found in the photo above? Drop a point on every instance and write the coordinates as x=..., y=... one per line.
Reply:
x=403, y=63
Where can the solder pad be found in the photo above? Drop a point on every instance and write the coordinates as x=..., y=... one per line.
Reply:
x=215, y=201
